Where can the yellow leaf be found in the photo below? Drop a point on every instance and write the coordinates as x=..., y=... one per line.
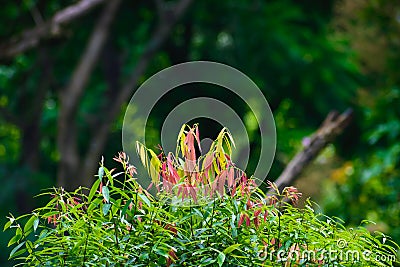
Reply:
x=141, y=150
x=181, y=140
x=154, y=168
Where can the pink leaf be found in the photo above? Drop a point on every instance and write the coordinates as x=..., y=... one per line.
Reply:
x=198, y=138
x=231, y=177
x=241, y=218
x=265, y=215
x=191, y=153
x=213, y=187
x=150, y=186
x=193, y=193
x=221, y=183
x=207, y=162
x=247, y=220
x=256, y=222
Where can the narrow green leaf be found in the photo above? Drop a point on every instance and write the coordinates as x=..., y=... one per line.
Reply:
x=231, y=248
x=106, y=193
x=16, y=249
x=109, y=176
x=125, y=207
x=220, y=259
x=145, y=199
x=106, y=208
x=101, y=173
x=14, y=239
x=93, y=190
x=7, y=225
x=36, y=224
x=207, y=261
x=29, y=223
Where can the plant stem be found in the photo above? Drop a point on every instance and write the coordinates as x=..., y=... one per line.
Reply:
x=84, y=250
x=191, y=218
x=212, y=219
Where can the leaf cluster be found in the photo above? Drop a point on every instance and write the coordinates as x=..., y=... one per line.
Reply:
x=118, y=223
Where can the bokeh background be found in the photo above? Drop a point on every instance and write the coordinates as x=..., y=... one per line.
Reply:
x=69, y=68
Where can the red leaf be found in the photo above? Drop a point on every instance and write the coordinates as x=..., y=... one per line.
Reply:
x=247, y=220
x=241, y=218
x=231, y=177
x=265, y=215
x=150, y=186
x=221, y=183
x=101, y=187
x=207, y=162
x=198, y=138
x=191, y=153
x=172, y=257
x=193, y=193
x=256, y=222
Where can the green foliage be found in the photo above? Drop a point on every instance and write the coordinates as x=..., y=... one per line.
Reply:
x=186, y=178
x=285, y=46
x=118, y=223
x=370, y=189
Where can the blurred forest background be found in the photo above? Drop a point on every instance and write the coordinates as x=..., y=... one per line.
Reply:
x=68, y=69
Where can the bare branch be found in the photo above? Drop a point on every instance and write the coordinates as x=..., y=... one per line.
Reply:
x=32, y=37
x=158, y=38
x=333, y=125
x=71, y=96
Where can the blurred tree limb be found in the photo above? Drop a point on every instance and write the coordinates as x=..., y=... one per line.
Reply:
x=31, y=38
x=167, y=21
x=70, y=97
x=72, y=171
x=333, y=125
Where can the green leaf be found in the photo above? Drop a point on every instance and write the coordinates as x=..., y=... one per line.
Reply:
x=29, y=223
x=16, y=249
x=125, y=208
x=93, y=190
x=106, y=208
x=7, y=225
x=145, y=199
x=231, y=248
x=101, y=173
x=14, y=239
x=36, y=224
x=109, y=176
x=206, y=261
x=106, y=193
x=220, y=259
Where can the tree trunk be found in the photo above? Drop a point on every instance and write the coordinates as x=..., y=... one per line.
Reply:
x=67, y=141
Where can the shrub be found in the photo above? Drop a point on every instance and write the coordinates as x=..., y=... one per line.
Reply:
x=224, y=221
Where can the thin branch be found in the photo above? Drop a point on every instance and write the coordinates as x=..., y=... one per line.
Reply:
x=31, y=38
x=37, y=17
x=333, y=125
x=87, y=62
x=71, y=96
x=160, y=35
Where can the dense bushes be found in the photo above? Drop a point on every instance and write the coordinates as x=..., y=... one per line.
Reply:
x=118, y=223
